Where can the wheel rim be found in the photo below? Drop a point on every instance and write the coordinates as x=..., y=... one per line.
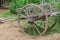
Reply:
x=32, y=30
x=52, y=22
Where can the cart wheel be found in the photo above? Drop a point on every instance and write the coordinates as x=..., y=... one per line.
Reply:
x=52, y=19
x=29, y=20
x=52, y=22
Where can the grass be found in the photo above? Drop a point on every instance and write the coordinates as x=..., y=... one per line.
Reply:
x=7, y=14
x=30, y=31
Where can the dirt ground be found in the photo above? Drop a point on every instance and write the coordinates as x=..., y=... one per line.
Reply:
x=8, y=31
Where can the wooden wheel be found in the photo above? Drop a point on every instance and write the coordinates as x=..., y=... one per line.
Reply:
x=30, y=18
x=52, y=22
x=52, y=19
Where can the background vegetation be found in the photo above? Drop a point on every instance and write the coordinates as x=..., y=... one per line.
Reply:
x=15, y=4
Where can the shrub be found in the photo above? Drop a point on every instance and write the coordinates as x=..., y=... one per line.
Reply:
x=15, y=4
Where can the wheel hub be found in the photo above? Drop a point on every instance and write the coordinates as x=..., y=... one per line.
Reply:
x=31, y=20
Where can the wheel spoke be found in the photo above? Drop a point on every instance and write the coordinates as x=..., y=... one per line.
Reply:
x=36, y=28
x=34, y=31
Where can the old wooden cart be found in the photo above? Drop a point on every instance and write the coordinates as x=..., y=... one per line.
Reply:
x=36, y=19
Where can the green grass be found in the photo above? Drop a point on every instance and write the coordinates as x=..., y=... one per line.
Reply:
x=7, y=14
x=30, y=28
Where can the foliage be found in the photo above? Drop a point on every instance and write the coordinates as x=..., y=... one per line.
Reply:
x=15, y=4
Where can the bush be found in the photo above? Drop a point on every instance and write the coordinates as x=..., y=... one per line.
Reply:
x=15, y=4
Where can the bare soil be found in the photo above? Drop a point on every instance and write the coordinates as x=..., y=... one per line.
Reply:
x=10, y=31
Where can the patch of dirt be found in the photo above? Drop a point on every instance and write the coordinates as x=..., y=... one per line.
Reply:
x=9, y=31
